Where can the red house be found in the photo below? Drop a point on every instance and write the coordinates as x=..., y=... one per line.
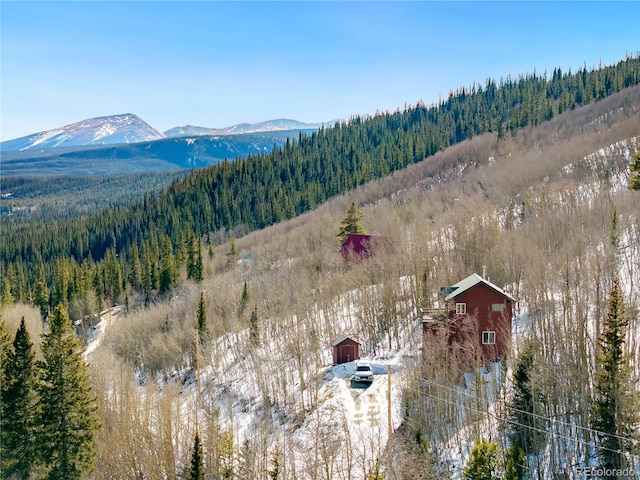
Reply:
x=476, y=320
x=356, y=246
x=345, y=350
x=359, y=246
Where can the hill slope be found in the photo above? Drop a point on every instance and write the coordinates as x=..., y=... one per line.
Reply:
x=535, y=209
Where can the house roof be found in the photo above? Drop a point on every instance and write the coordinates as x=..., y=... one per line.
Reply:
x=341, y=339
x=470, y=282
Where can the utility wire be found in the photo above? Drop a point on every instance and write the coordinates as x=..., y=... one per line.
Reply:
x=551, y=420
x=551, y=433
x=542, y=417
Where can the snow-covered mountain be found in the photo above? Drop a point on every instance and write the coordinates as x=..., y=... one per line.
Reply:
x=266, y=126
x=109, y=130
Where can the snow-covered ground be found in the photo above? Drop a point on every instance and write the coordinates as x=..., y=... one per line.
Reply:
x=321, y=419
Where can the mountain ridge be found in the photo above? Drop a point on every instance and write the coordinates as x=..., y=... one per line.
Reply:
x=104, y=130
x=173, y=153
x=278, y=124
x=128, y=128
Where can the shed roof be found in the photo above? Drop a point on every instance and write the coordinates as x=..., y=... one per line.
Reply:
x=341, y=339
x=471, y=281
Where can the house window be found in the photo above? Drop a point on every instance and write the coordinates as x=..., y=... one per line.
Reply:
x=461, y=308
x=488, y=338
x=497, y=307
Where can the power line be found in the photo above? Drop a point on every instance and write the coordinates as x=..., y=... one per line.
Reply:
x=542, y=417
x=548, y=419
x=551, y=433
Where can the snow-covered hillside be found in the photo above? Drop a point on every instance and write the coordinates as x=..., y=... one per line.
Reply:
x=281, y=393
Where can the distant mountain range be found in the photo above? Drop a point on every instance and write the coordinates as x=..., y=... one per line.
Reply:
x=157, y=155
x=122, y=144
x=279, y=124
x=110, y=130
x=129, y=128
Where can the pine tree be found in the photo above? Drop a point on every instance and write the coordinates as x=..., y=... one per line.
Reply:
x=196, y=471
x=376, y=473
x=167, y=268
x=232, y=254
x=6, y=295
x=203, y=329
x=634, y=181
x=5, y=348
x=68, y=419
x=19, y=406
x=515, y=462
x=614, y=229
x=198, y=267
x=614, y=412
x=351, y=222
x=41, y=298
x=483, y=461
x=254, y=332
x=227, y=455
x=526, y=428
x=245, y=298
x=190, y=257
x=5, y=345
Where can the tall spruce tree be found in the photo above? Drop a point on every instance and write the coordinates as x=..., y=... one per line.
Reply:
x=5, y=348
x=351, y=222
x=201, y=321
x=5, y=345
x=254, y=331
x=527, y=427
x=232, y=254
x=614, y=411
x=68, y=419
x=167, y=269
x=41, y=298
x=198, y=267
x=227, y=455
x=194, y=259
x=634, y=181
x=196, y=471
x=515, y=462
x=19, y=402
x=244, y=299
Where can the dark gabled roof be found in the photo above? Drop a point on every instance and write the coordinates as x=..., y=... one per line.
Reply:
x=470, y=282
x=341, y=339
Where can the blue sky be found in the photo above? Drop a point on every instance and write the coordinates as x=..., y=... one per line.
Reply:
x=215, y=64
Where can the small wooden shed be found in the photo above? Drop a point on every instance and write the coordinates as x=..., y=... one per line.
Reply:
x=345, y=350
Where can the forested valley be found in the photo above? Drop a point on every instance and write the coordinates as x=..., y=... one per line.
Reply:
x=227, y=289
x=130, y=246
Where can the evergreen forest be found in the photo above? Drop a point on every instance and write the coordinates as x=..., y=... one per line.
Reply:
x=188, y=333
x=143, y=245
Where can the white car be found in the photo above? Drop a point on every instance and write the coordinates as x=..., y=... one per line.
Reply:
x=364, y=373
